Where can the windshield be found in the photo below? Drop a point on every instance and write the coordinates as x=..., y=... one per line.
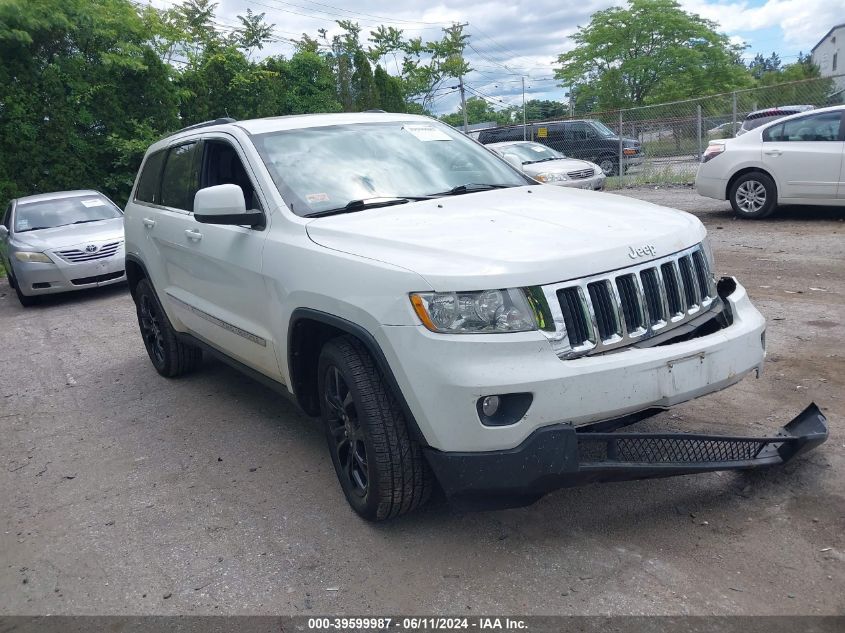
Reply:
x=602, y=129
x=320, y=169
x=46, y=214
x=530, y=152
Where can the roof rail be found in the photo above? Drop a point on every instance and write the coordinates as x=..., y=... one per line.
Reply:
x=219, y=121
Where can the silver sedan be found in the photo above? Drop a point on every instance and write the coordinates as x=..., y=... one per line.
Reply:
x=550, y=166
x=55, y=242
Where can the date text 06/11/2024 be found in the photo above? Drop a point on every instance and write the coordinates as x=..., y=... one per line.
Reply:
x=417, y=624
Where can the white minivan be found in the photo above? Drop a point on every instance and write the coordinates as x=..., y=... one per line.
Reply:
x=795, y=160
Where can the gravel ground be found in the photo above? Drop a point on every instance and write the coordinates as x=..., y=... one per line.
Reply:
x=125, y=493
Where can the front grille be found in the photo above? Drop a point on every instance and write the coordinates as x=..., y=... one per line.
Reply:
x=82, y=281
x=75, y=255
x=607, y=311
x=581, y=174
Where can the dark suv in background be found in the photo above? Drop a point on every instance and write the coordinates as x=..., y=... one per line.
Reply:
x=586, y=139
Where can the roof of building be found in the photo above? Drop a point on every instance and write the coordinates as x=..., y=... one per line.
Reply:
x=827, y=35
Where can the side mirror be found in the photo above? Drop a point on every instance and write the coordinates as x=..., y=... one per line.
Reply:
x=513, y=159
x=4, y=232
x=224, y=204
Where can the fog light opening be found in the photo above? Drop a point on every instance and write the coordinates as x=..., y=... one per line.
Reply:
x=490, y=405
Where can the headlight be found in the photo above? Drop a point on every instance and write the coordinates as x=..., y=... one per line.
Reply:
x=551, y=177
x=27, y=256
x=481, y=312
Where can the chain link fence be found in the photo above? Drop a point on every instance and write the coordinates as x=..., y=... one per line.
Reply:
x=662, y=143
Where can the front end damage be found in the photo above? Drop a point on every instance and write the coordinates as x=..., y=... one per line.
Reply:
x=563, y=456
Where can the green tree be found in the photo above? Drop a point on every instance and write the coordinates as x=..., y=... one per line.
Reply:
x=649, y=52
x=388, y=91
x=82, y=93
x=363, y=91
x=254, y=32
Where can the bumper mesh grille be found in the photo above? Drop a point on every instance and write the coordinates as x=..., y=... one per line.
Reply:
x=674, y=450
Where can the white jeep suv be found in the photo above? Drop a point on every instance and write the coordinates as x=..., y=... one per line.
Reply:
x=448, y=318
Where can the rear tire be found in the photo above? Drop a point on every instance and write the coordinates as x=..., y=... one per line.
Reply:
x=753, y=196
x=381, y=468
x=170, y=356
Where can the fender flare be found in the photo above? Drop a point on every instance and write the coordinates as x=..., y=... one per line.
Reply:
x=369, y=342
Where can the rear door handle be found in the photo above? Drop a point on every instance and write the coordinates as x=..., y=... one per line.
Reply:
x=196, y=236
x=773, y=152
x=149, y=223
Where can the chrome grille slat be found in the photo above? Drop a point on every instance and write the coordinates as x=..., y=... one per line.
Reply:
x=75, y=255
x=581, y=174
x=621, y=307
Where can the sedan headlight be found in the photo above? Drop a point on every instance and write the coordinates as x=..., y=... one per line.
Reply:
x=551, y=177
x=28, y=256
x=481, y=312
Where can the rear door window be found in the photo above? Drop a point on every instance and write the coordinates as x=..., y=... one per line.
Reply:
x=180, y=179
x=147, y=190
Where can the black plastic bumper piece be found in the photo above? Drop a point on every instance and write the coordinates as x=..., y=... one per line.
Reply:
x=560, y=456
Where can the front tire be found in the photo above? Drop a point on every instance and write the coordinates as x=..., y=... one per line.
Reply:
x=25, y=300
x=381, y=469
x=609, y=166
x=753, y=196
x=170, y=356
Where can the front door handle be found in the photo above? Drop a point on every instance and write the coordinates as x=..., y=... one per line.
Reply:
x=149, y=223
x=773, y=152
x=194, y=235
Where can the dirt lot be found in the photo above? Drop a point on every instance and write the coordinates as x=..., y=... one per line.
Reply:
x=123, y=492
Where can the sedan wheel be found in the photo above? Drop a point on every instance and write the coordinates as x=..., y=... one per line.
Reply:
x=753, y=196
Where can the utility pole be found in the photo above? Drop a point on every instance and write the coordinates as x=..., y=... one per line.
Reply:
x=463, y=102
x=523, y=108
x=457, y=27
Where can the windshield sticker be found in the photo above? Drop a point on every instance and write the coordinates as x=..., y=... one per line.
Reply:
x=94, y=203
x=539, y=149
x=23, y=224
x=314, y=198
x=426, y=133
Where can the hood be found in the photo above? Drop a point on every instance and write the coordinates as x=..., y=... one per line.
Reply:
x=510, y=237
x=557, y=166
x=72, y=235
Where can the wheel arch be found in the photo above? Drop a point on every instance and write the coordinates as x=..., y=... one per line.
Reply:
x=308, y=331
x=748, y=170
x=135, y=272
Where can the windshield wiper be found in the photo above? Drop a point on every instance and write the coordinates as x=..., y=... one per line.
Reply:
x=471, y=187
x=366, y=203
x=542, y=160
x=87, y=221
x=35, y=228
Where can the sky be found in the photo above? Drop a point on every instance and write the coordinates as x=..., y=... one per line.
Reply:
x=511, y=40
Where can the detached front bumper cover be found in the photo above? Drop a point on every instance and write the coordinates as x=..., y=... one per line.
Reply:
x=561, y=456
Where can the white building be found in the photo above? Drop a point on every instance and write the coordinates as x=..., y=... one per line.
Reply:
x=829, y=54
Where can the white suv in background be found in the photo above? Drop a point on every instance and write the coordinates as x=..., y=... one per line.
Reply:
x=448, y=318
x=798, y=159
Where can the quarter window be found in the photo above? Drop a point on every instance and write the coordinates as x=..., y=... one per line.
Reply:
x=179, y=181
x=147, y=190
x=817, y=127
